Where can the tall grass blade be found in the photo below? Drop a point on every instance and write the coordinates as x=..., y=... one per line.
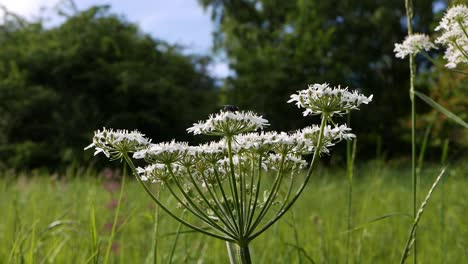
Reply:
x=116, y=216
x=383, y=217
x=94, y=237
x=441, y=109
x=176, y=239
x=32, y=245
x=155, y=232
x=411, y=237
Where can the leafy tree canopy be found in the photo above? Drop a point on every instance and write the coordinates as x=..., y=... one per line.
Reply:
x=58, y=85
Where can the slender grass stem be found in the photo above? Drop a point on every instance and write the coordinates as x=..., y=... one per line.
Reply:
x=231, y=252
x=116, y=216
x=155, y=232
x=409, y=18
x=176, y=239
x=350, y=157
x=412, y=235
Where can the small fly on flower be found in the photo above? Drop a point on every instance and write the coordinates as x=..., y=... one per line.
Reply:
x=230, y=108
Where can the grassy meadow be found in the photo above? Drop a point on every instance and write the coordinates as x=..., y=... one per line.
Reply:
x=50, y=220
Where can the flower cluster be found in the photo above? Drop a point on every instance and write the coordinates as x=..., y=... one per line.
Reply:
x=115, y=142
x=454, y=27
x=323, y=99
x=222, y=183
x=229, y=123
x=412, y=45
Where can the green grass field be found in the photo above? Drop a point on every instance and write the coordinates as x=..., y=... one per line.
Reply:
x=49, y=220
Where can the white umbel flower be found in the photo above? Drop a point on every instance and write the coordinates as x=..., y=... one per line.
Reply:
x=321, y=98
x=229, y=124
x=165, y=152
x=114, y=142
x=331, y=136
x=413, y=44
x=454, y=27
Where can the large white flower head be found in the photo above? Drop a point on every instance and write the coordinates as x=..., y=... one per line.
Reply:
x=113, y=143
x=454, y=28
x=323, y=99
x=413, y=44
x=229, y=123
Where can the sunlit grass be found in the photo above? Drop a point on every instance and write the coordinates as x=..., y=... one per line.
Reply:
x=47, y=219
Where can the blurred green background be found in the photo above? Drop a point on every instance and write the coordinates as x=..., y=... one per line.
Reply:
x=60, y=83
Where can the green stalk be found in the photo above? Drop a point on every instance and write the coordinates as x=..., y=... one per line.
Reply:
x=257, y=192
x=443, y=162
x=234, y=186
x=116, y=216
x=175, y=241
x=155, y=233
x=243, y=254
x=271, y=196
x=192, y=207
x=412, y=235
x=223, y=218
x=312, y=166
x=350, y=157
x=94, y=236
x=169, y=212
x=231, y=252
x=409, y=17
x=437, y=64
x=226, y=200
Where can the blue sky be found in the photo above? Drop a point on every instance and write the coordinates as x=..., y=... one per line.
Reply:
x=176, y=21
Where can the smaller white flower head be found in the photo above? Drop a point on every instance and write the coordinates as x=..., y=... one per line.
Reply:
x=321, y=98
x=413, y=44
x=291, y=162
x=227, y=123
x=259, y=143
x=212, y=152
x=114, y=142
x=153, y=173
x=331, y=136
x=454, y=28
x=165, y=152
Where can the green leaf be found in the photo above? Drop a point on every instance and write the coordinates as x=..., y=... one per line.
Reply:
x=441, y=109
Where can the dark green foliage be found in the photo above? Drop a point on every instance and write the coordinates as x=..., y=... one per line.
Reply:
x=58, y=85
x=277, y=47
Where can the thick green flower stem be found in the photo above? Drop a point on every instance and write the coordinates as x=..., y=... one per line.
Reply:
x=243, y=254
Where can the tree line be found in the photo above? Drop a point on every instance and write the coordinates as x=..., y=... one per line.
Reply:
x=59, y=84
